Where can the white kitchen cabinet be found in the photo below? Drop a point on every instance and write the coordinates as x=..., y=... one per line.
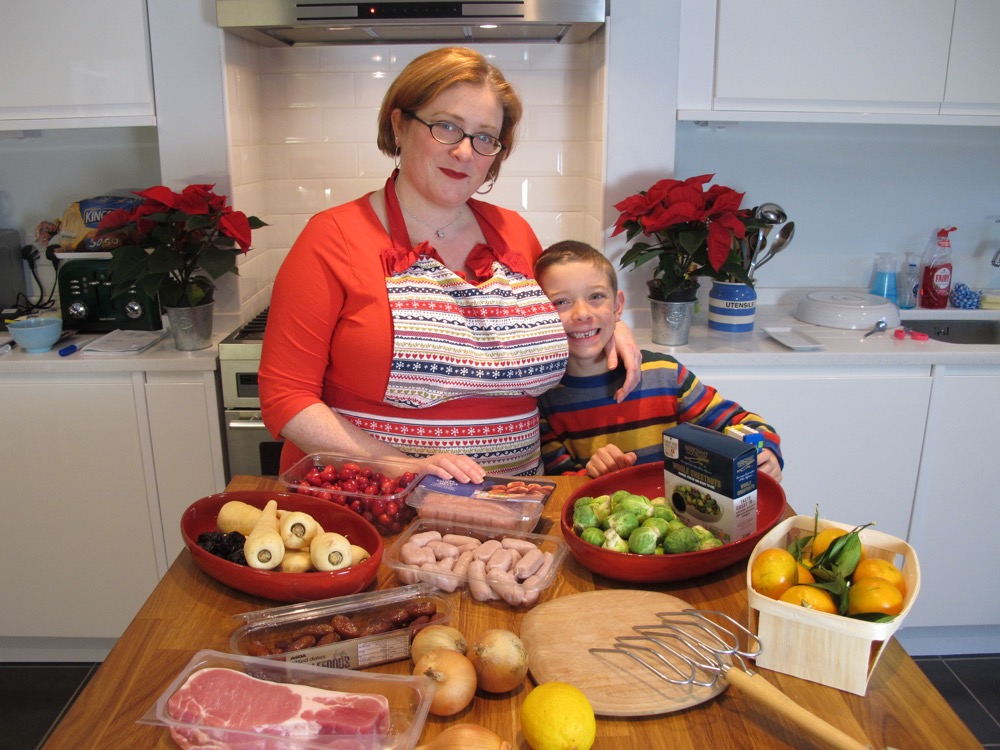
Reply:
x=98, y=469
x=76, y=529
x=973, y=86
x=75, y=65
x=887, y=61
x=851, y=437
x=955, y=512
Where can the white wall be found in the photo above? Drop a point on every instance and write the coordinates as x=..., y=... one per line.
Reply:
x=855, y=190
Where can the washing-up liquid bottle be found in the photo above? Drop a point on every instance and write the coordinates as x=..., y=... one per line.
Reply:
x=909, y=282
x=935, y=283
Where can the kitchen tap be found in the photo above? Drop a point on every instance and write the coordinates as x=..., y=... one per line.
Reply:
x=996, y=258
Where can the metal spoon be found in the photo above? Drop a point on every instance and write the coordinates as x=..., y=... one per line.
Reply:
x=877, y=328
x=780, y=242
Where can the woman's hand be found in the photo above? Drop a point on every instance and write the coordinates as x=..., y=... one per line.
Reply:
x=623, y=346
x=767, y=463
x=607, y=459
x=452, y=466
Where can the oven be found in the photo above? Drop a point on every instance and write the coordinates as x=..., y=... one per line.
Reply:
x=250, y=449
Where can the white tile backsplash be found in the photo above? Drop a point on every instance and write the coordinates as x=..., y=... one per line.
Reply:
x=302, y=124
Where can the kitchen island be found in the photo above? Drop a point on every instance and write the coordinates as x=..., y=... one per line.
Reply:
x=188, y=612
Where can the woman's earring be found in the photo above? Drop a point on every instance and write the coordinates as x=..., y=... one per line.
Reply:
x=396, y=158
x=493, y=180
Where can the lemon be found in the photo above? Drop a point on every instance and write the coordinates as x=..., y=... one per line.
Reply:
x=558, y=716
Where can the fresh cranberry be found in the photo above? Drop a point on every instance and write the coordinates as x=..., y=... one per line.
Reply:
x=357, y=506
x=371, y=489
x=329, y=473
x=349, y=485
x=405, y=478
x=377, y=505
x=314, y=477
x=392, y=507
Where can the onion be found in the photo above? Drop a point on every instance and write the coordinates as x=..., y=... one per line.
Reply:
x=437, y=636
x=466, y=737
x=500, y=660
x=454, y=677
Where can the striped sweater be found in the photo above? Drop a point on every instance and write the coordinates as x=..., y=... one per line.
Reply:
x=580, y=414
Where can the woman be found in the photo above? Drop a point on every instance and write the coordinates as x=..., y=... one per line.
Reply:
x=406, y=322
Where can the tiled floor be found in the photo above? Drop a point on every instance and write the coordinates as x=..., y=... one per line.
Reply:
x=34, y=696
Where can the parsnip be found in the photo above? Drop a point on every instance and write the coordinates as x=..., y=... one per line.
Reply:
x=330, y=551
x=358, y=554
x=296, y=561
x=237, y=516
x=263, y=548
x=298, y=529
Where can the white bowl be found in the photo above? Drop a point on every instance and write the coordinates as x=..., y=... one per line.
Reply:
x=834, y=308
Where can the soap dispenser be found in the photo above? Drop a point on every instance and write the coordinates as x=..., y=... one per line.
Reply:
x=909, y=285
x=885, y=276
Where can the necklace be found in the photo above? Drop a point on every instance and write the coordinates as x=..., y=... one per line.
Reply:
x=438, y=231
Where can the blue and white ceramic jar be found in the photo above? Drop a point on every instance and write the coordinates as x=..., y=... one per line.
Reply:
x=731, y=307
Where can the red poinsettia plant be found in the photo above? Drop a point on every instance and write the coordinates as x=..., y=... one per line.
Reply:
x=697, y=232
x=176, y=245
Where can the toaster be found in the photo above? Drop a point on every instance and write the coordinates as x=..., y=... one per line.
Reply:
x=86, y=301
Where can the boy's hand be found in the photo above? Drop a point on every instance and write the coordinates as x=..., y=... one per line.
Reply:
x=607, y=459
x=767, y=463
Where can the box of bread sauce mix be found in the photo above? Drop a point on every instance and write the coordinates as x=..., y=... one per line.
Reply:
x=710, y=479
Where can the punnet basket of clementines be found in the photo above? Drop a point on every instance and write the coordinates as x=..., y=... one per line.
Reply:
x=827, y=616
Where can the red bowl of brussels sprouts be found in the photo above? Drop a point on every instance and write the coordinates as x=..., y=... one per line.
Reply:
x=647, y=480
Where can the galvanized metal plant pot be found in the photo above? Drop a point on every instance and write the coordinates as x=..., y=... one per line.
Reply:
x=671, y=321
x=191, y=326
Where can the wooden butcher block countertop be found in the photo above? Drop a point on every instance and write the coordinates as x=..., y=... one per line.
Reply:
x=189, y=611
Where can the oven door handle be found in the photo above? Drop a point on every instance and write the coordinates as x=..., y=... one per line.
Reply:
x=246, y=424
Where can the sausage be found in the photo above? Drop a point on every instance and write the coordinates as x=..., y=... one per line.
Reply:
x=299, y=644
x=421, y=609
x=424, y=537
x=505, y=586
x=478, y=587
x=327, y=639
x=460, y=540
x=377, y=626
x=521, y=545
x=256, y=648
x=461, y=567
x=413, y=554
x=442, y=549
x=529, y=564
x=344, y=627
x=439, y=575
x=317, y=630
x=487, y=548
x=499, y=560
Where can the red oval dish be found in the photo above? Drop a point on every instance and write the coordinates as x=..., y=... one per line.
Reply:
x=647, y=479
x=285, y=587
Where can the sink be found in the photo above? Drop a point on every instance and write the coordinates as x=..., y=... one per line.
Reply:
x=958, y=331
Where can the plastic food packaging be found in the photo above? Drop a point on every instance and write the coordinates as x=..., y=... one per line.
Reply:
x=422, y=554
x=404, y=610
x=504, y=502
x=348, y=481
x=408, y=698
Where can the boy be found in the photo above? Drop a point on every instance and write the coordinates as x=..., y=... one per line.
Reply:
x=583, y=429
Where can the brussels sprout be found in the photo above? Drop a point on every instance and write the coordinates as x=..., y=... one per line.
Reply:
x=680, y=540
x=658, y=550
x=710, y=543
x=659, y=500
x=642, y=541
x=659, y=525
x=702, y=532
x=664, y=512
x=616, y=497
x=585, y=500
x=637, y=505
x=601, y=507
x=623, y=523
x=593, y=535
x=614, y=542
x=584, y=518
x=676, y=524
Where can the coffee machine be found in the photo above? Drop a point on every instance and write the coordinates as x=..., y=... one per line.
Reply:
x=11, y=273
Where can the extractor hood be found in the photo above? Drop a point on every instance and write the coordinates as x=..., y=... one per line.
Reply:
x=302, y=22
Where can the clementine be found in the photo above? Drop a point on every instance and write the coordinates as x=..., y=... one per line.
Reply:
x=773, y=572
x=878, y=568
x=810, y=597
x=874, y=595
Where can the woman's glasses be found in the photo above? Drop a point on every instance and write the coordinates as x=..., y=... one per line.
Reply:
x=449, y=134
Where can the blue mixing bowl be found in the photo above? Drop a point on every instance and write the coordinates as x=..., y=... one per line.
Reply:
x=36, y=335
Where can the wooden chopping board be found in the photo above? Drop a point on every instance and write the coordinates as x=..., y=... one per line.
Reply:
x=559, y=632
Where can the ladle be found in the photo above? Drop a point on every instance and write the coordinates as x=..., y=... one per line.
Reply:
x=771, y=213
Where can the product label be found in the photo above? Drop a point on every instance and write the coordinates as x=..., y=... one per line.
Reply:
x=942, y=278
